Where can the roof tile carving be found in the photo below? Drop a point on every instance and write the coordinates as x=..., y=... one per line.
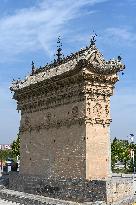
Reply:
x=91, y=57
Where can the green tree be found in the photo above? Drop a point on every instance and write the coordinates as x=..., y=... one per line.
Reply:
x=120, y=151
x=4, y=154
x=16, y=147
x=131, y=165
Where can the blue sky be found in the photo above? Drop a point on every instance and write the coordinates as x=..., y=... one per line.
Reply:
x=29, y=31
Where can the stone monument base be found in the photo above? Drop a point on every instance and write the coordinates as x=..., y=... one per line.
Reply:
x=111, y=191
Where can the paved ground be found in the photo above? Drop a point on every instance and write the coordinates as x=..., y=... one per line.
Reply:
x=3, y=202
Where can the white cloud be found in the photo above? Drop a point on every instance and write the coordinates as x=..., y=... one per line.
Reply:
x=119, y=35
x=37, y=27
x=28, y=30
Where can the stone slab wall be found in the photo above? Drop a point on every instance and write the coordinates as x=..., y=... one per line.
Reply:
x=113, y=191
x=97, y=152
x=30, y=199
x=77, y=190
x=58, y=148
x=120, y=189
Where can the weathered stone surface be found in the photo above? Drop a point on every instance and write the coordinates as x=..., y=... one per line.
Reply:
x=120, y=190
x=78, y=190
x=5, y=202
x=111, y=191
x=65, y=117
x=64, y=130
x=30, y=199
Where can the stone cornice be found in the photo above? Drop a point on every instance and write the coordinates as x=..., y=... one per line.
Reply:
x=101, y=79
x=68, y=81
x=41, y=103
x=88, y=58
x=106, y=68
x=44, y=98
x=52, y=86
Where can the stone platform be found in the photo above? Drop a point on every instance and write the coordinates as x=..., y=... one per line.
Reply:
x=5, y=202
x=76, y=190
x=11, y=197
x=115, y=191
x=15, y=197
x=120, y=196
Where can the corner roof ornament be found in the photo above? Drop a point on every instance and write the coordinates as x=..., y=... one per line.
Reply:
x=33, y=67
x=93, y=39
x=119, y=58
x=59, y=54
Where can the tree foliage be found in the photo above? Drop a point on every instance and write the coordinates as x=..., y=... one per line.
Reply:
x=4, y=154
x=120, y=152
x=16, y=147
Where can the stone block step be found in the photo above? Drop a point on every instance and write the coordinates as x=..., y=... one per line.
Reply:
x=15, y=197
x=30, y=199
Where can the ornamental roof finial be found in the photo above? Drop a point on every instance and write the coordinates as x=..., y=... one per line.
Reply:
x=59, y=46
x=33, y=68
x=119, y=58
x=93, y=39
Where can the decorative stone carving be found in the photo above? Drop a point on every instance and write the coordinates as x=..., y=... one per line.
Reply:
x=97, y=109
x=54, y=124
x=48, y=117
x=99, y=121
x=75, y=111
x=107, y=110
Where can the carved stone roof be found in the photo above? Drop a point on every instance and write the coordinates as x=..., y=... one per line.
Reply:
x=88, y=57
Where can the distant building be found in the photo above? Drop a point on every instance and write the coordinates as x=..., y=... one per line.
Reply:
x=5, y=146
x=119, y=165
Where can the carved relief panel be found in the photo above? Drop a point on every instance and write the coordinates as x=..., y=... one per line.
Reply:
x=75, y=112
x=97, y=110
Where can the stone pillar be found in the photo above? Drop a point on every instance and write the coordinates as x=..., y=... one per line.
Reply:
x=98, y=145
